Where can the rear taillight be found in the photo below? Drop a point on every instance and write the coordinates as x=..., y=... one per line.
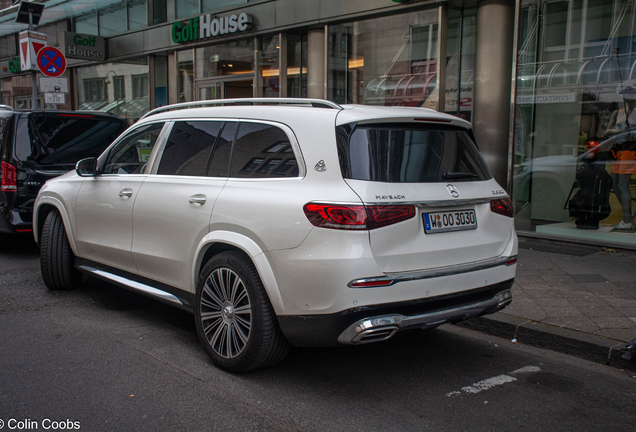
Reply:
x=356, y=217
x=502, y=207
x=8, y=178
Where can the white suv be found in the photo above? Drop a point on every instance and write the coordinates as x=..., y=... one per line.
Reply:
x=283, y=222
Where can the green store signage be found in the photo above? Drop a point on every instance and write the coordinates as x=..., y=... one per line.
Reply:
x=14, y=65
x=205, y=26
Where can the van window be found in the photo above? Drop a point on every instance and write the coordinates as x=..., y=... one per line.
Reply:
x=59, y=140
x=409, y=153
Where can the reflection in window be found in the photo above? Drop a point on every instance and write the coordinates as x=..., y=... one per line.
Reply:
x=251, y=165
x=112, y=20
x=131, y=155
x=186, y=8
x=95, y=90
x=189, y=147
x=120, y=87
x=139, y=86
x=209, y=5
x=255, y=145
x=87, y=24
x=220, y=163
x=137, y=14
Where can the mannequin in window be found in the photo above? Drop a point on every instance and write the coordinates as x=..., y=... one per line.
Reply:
x=624, y=151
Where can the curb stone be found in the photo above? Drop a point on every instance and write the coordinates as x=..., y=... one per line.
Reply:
x=589, y=347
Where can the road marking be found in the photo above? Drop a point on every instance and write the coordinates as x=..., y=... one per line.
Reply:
x=494, y=381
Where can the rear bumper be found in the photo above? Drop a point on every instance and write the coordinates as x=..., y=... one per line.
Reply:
x=380, y=322
x=11, y=222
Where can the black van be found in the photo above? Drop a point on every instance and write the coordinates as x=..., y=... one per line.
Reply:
x=38, y=145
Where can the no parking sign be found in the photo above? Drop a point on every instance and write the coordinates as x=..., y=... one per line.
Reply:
x=51, y=61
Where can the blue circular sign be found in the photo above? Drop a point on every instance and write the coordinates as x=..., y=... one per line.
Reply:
x=51, y=61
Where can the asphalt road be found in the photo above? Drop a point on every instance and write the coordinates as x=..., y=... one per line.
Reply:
x=103, y=359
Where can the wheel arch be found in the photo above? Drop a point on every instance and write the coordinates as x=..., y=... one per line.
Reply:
x=222, y=241
x=46, y=205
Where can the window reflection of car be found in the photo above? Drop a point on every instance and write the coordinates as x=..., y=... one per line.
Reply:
x=546, y=182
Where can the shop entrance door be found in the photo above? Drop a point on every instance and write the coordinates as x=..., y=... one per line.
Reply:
x=226, y=88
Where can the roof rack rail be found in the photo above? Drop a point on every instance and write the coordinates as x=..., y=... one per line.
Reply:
x=316, y=103
x=6, y=107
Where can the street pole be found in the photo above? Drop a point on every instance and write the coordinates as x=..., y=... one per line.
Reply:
x=34, y=81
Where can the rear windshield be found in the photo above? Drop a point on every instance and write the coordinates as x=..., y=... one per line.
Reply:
x=409, y=153
x=58, y=141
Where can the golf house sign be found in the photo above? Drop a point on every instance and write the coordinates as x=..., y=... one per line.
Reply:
x=83, y=46
x=206, y=26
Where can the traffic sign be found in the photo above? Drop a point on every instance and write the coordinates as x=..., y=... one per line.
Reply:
x=30, y=45
x=53, y=85
x=51, y=61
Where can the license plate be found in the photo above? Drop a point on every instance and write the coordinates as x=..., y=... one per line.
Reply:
x=449, y=221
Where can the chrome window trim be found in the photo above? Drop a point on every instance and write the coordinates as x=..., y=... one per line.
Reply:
x=302, y=169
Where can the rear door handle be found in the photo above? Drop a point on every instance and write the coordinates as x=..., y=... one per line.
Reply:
x=125, y=193
x=198, y=199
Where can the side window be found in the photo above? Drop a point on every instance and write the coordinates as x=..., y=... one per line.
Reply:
x=131, y=155
x=188, y=148
x=220, y=164
x=263, y=151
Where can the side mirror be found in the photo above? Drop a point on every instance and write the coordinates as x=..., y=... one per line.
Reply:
x=86, y=167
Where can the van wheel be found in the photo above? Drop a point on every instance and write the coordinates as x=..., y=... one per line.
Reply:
x=235, y=320
x=56, y=256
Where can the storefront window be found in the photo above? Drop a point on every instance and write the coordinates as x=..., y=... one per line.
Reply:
x=460, y=66
x=225, y=71
x=268, y=63
x=574, y=152
x=118, y=88
x=385, y=61
x=296, y=65
x=228, y=59
x=185, y=75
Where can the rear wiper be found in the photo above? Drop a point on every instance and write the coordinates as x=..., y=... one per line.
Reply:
x=458, y=175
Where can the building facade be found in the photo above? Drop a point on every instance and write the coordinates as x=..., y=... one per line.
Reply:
x=549, y=85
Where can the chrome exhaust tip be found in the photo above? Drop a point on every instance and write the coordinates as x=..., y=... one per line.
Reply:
x=375, y=335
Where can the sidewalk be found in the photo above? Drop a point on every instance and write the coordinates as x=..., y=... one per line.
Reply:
x=576, y=299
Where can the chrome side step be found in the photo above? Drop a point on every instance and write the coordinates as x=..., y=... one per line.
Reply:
x=134, y=286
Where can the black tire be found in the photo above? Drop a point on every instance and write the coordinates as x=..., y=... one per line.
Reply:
x=235, y=320
x=57, y=260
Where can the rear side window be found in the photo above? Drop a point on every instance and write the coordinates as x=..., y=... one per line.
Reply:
x=189, y=147
x=263, y=151
x=409, y=153
x=60, y=140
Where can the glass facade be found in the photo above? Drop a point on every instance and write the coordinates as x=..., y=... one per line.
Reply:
x=225, y=71
x=268, y=63
x=296, y=65
x=118, y=88
x=460, y=64
x=118, y=18
x=574, y=153
x=385, y=61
